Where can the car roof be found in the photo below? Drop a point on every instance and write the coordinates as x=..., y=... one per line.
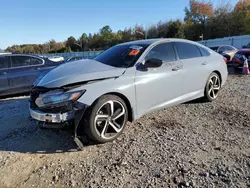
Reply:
x=29, y=55
x=152, y=41
x=219, y=46
x=214, y=46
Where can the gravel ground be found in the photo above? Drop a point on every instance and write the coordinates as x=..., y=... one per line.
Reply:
x=191, y=145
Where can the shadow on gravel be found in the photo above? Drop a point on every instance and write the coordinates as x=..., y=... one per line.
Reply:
x=36, y=140
x=196, y=101
x=18, y=133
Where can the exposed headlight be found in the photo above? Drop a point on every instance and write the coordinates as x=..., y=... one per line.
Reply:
x=57, y=97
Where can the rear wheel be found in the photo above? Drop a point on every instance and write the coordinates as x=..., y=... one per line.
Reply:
x=212, y=88
x=105, y=120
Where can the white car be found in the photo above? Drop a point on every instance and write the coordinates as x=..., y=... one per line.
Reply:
x=124, y=83
x=56, y=58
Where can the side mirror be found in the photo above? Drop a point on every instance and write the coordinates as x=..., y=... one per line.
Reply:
x=153, y=63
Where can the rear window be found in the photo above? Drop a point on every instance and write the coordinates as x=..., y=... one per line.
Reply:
x=230, y=48
x=21, y=61
x=187, y=50
x=122, y=55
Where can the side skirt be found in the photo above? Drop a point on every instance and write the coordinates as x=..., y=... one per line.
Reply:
x=176, y=101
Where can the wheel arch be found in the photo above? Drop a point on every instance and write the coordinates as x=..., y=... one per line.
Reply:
x=79, y=130
x=219, y=74
x=127, y=102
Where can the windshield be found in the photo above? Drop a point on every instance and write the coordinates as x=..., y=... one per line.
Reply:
x=122, y=55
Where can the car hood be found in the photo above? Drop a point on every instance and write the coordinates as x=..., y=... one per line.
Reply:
x=78, y=71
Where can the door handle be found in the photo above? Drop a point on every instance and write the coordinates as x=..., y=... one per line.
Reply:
x=204, y=63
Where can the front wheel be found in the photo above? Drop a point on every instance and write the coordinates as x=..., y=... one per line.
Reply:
x=105, y=120
x=212, y=88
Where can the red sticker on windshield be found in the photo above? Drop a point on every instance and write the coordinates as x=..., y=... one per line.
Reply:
x=134, y=52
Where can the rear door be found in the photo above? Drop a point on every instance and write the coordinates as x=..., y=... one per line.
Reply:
x=194, y=67
x=4, y=65
x=24, y=71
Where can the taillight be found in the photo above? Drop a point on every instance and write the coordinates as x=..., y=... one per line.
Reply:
x=225, y=59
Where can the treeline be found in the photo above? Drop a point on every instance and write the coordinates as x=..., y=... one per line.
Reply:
x=202, y=21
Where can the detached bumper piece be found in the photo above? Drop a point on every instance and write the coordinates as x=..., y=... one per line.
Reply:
x=51, y=117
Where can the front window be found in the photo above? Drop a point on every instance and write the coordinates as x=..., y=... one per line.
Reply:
x=124, y=55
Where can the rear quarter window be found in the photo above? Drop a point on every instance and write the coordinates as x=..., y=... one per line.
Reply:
x=204, y=52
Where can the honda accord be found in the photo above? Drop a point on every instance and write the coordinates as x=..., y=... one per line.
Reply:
x=125, y=82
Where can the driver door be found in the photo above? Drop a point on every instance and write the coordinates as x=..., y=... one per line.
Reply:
x=157, y=88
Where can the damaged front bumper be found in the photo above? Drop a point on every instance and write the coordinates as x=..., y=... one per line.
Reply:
x=52, y=117
x=58, y=115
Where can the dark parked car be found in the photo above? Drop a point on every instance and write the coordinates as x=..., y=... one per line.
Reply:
x=18, y=72
x=238, y=59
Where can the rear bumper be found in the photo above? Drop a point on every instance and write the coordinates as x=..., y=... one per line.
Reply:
x=52, y=117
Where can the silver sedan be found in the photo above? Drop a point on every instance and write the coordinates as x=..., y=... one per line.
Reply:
x=125, y=82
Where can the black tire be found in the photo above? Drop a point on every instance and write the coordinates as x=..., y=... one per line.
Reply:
x=89, y=121
x=209, y=96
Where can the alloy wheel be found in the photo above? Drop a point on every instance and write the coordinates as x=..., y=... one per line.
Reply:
x=110, y=119
x=214, y=86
